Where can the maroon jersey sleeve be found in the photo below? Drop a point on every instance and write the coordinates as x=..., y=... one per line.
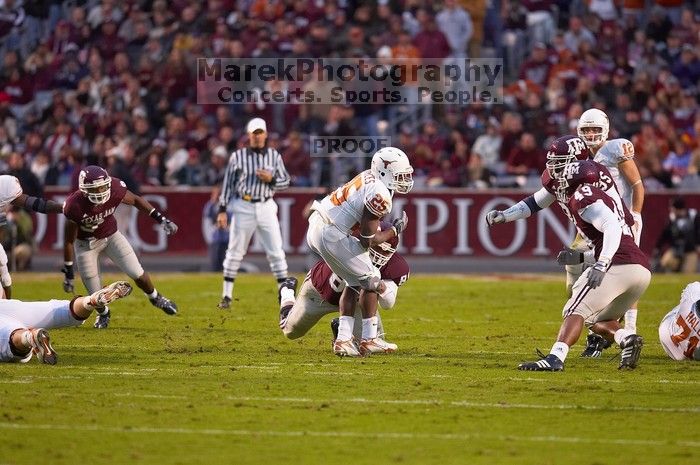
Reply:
x=396, y=269
x=71, y=207
x=320, y=276
x=548, y=183
x=118, y=191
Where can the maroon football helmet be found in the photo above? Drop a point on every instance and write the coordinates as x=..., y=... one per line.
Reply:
x=577, y=174
x=565, y=150
x=95, y=183
x=380, y=254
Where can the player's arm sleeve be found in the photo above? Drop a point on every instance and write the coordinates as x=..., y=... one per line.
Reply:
x=529, y=205
x=229, y=182
x=387, y=299
x=280, y=178
x=5, y=277
x=604, y=220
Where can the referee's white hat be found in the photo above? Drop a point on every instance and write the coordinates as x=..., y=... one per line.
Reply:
x=255, y=124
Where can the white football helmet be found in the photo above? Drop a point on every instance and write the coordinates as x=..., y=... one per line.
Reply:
x=391, y=166
x=595, y=119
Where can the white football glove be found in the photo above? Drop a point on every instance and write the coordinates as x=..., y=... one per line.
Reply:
x=597, y=273
x=399, y=224
x=637, y=228
x=495, y=217
x=169, y=227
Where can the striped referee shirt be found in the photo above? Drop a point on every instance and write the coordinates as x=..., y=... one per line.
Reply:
x=240, y=179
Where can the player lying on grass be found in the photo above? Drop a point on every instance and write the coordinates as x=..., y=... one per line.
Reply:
x=321, y=290
x=23, y=325
x=363, y=200
x=586, y=193
x=679, y=331
x=92, y=231
x=11, y=194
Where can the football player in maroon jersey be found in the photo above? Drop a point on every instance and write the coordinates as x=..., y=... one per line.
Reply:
x=321, y=290
x=92, y=230
x=586, y=193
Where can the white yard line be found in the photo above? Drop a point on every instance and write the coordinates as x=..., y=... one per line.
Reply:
x=470, y=404
x=346, y=434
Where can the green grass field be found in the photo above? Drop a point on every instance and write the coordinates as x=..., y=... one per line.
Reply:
x=220, y=387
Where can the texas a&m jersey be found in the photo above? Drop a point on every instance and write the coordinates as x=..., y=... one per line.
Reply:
x=330, y=286
x=95, y=221
x=344, y=206
x=627, y=253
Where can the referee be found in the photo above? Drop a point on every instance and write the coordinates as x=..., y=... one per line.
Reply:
x=252, y=177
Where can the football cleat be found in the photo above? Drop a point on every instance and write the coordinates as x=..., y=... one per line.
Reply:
x=376, y=345
x=109, y=294
x=595, y=344
x=335, y=324
x=164, y=304
x=41, y=346
x=225, y=303
x=549, y=363
x=289, y=283
x=102, y=320
x=347, y=348
x=631, y=349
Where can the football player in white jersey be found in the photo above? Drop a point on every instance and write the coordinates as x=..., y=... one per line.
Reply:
x=11, y=194
x=618, y=156
x=362, y=201
x=679, y=331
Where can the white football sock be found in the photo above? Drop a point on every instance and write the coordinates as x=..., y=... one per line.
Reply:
x=560, y=350
x=369, y=328
x=345, y=327
x=621, y=334
x=286, y=296
x=228, y=289
x=631, y=320
x=153, y=294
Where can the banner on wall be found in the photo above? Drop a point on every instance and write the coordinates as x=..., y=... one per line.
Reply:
x=441, y=223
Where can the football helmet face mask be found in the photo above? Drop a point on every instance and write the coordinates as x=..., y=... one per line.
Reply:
x=391, y=166
x=95, y=183
x=562, y=152
x=574, y=175
x=380, y=254
x=593, y=127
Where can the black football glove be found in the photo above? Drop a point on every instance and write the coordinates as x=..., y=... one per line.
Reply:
x=68, y=277
x=569, y=257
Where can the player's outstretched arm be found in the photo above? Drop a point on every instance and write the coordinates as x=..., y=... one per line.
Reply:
x=70, y=232
x=523, y=209
x=145, y=206
x=37, y=204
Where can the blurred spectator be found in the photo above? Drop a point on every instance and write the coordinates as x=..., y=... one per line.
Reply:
x=456, y=24
x=297, y=160
x=577, y=34
x=485, y=160
x=526, y=158
x=29, y=182
x=17, y=238
x=676, y=249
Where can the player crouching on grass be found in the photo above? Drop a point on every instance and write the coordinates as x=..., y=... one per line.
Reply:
x=23, y=325
x=321, y=290
x=588, y=196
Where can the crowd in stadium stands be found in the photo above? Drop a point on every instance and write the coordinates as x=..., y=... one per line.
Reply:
x=113, y=83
